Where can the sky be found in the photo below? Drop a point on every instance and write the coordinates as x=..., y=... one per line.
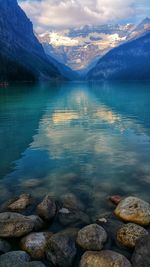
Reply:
x=46, y=14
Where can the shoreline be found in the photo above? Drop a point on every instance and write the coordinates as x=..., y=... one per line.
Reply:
x=60, y=233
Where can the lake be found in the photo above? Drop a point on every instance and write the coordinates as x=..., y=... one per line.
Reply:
x=92, y=140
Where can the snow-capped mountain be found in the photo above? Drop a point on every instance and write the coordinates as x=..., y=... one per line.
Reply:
x=129, y=61
x=140, y=29
x=78, y=47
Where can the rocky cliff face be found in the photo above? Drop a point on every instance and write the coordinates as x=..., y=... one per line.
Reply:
x=79, y=47
x=130, y=61
x=21, y=53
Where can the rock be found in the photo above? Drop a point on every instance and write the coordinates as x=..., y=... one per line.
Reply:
x=92, y=237
x=71, y=232
x=4, y=246
x=21, y=203
x=34, y=264
x=38, y=222
x=61, y=250
x=35, y=244
x=31, y=183
x=73, y=217
x=105, y=258
x=132, y=209
x=102, y=220
x=141, y=255
x=14, y=259
x=47, y=208
x=115, y=199
x=18, y=259
x=128, y=234
x=70, y=201
x=17, y=225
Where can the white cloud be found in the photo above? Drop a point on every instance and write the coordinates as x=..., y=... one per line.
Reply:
x=46, y=13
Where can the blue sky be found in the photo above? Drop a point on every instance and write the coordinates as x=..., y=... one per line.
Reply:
x=64, y=13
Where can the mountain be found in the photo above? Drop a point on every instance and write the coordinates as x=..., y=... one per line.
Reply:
x=78, y=47
x=129, y=61
x=140, y=29
x=22, y=57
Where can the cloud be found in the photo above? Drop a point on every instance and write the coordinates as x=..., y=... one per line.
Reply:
x=59, y=13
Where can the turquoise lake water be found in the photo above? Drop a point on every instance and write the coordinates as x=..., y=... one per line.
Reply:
x=92, y=140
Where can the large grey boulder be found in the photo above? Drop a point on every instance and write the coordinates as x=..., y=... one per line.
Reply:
x=35, y=244
x=141, y=255
x=61, y=249
x=18, y=259
x=92, y=237
x=15, y=224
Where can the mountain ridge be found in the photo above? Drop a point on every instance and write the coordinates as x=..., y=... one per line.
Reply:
x=129, y=61
x=22, y=55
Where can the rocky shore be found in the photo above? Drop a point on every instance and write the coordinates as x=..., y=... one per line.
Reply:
x=52, y=232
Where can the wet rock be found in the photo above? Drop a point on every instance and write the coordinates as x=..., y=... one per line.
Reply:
x=35, y=244
x=111, y=227
x=18, y=259
x=73, y=217
x=37, y=221
x=71, y=232
x=128, y=234
x=4, y=246
x=61, y=250
x=47, y=208
x=17, y=225
x=21, y=203
x=70, y=201
x=102, y=220
x=34, y=264
x=132, y=209
x=92, y=237
x=141, y=255
x=105, y=258
x=14, y=259
x=115, y=199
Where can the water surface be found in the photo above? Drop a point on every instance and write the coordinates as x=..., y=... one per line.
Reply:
x=92, y=140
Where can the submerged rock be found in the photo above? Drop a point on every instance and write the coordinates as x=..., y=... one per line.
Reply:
x=47, y=208
x=73, y=217
x=15, y=224
x=92, y=237
x=115, y=199
x=141, y=255
x=31, y=183
x=4, y=246
x=21, y=203
x=105, y=258
x=128, y=234
x=18, y=259
x=70, y=201
x=61, y=250
x=132, y=209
